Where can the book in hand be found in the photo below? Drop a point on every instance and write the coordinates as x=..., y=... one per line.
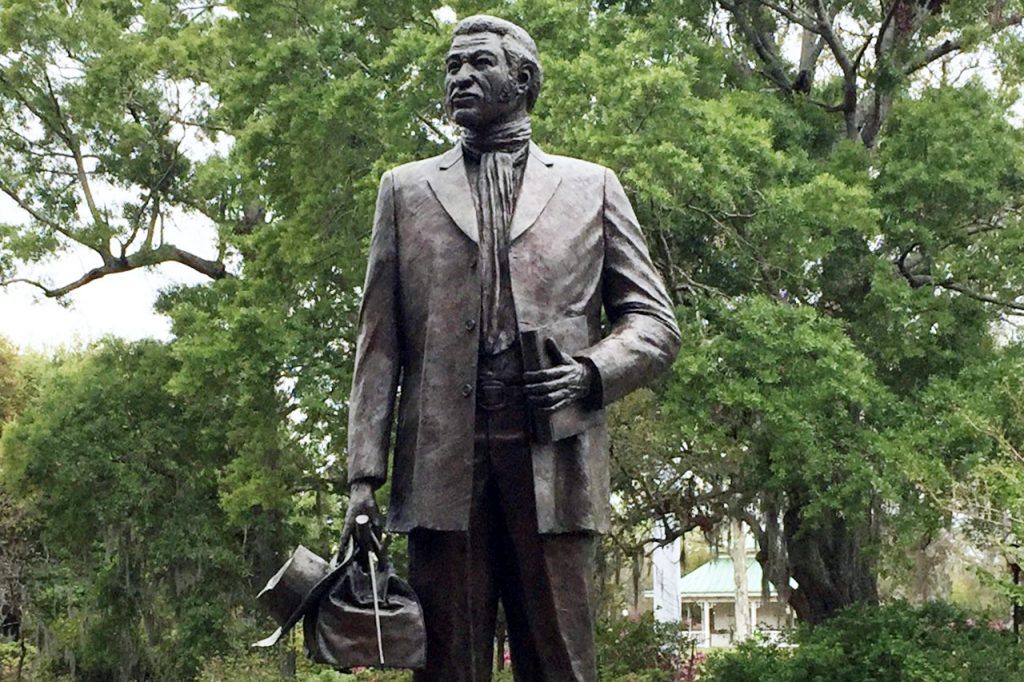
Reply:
x=571, y=335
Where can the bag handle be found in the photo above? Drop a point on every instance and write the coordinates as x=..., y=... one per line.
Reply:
x=365, y=538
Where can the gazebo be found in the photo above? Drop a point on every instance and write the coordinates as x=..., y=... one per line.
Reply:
x=712, y=588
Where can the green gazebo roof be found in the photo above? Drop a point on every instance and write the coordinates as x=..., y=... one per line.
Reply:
x=715, y=579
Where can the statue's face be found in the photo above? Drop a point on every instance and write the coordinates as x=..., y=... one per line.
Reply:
x=480, y=88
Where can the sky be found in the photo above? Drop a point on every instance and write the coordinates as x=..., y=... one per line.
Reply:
x=120, y=305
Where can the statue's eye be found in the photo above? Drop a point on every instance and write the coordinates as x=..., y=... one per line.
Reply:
x=453, y=65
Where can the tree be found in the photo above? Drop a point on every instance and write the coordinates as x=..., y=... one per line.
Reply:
x=102, y=128
x=977, y=427
x=17, y=548
x=763, y=203
x=876, y=48
x=839, y=244
x=137, y=571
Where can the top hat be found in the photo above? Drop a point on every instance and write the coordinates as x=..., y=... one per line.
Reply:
x=285, y=591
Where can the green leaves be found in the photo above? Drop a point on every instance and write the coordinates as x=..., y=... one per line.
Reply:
x=894, y=643
x=790, y=400
x=113, y=469
x=104, y=119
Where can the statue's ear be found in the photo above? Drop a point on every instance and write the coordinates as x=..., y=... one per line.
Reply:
x=524, y=78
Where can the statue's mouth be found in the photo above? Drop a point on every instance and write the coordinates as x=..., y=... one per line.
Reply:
x=463, y=98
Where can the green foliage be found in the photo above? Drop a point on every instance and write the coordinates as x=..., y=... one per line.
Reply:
x=626, y=647
x=253, y=666
x=628, y=651
x=19, y=376
x=140, y=568
x=967, y=442
x=15, y=654
x=894, y=643
x=840, y=385
x=789, y=400
x=103, y=121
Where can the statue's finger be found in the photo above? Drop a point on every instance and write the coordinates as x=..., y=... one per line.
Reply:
x=555, y=353
x=547, y=386
x=541, y=375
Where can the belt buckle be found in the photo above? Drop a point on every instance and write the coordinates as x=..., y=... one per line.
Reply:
x=492, y=394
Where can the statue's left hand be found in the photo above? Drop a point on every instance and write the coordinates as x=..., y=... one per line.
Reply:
x=361, y=500
x=567, y=380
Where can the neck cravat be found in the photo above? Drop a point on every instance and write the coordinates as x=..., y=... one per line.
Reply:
x=499, y=151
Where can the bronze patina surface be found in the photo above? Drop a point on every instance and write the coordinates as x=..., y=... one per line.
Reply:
x=470, y=250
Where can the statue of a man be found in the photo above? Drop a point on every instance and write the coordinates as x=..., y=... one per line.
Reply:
x=470, y=250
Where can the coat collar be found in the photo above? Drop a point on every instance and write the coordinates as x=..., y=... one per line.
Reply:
x=451, y=187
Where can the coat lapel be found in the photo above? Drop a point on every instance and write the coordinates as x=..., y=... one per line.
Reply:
x=539, y=185
x=451, y=187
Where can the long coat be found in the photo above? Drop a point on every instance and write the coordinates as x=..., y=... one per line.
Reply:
x=575, y=249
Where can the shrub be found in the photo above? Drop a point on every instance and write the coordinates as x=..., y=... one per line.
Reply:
x=893, y=643
x=10, y=656
x=263, y=666
x=644, y=650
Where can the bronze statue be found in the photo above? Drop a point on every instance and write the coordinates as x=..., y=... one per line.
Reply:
x=489, y=269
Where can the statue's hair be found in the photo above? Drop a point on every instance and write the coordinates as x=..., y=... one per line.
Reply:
x=520, y=50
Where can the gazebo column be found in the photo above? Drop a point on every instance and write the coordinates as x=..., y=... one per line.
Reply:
x=753, y=617
x=705, y=622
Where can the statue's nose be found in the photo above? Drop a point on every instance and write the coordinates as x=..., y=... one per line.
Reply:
x=462, y=76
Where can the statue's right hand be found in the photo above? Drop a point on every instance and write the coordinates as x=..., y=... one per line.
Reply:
x=361, y=500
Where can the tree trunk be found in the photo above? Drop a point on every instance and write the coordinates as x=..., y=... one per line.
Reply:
x=738, y=552
x=637, y=576
x=1018, y=609
x=829, y=564
x=21, y=660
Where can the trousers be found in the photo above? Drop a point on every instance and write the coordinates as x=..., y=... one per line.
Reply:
x=542, y=581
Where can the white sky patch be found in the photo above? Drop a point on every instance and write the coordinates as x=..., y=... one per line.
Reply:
x=119, y=305
x=445, y=15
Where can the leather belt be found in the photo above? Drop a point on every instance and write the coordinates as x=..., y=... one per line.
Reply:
x=495, y=394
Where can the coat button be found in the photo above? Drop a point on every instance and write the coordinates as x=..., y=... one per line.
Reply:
x=467, y=390
x=470, y=325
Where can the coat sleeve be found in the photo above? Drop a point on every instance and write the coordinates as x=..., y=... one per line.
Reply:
x=644, y=337
x=378, y=360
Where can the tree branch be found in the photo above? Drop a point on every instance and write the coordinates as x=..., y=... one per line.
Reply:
x=950, y=45
x=42, y=219
x=30, y=106
x=25, y=206
x=30, y=282
x=832, y=40
x=860, y=54
x=801, y=19
x=151, y=228
x=774, y=68
x=830, y=108
x=811, y=45
x=884, y=28
x=977, y=296
x=166, y=253
x=211, y=268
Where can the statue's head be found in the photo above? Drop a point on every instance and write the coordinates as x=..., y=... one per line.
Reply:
x=492, y=72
